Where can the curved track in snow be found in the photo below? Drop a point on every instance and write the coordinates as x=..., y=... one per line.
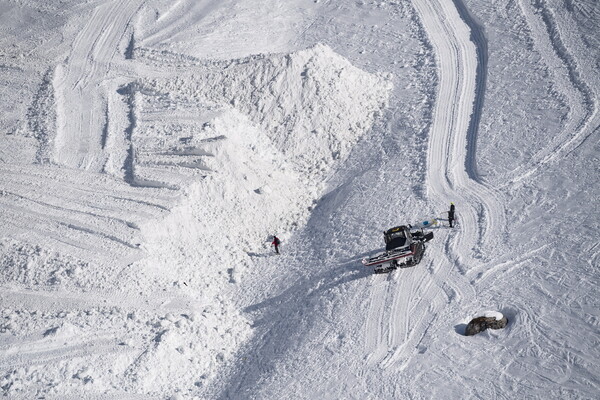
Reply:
x=571, y=77
x=400, y=317
x=449, y=172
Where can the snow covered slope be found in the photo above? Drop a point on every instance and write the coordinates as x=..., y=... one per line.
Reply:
x=150, y=150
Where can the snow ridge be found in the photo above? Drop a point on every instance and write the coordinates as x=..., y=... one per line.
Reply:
x=480, y=41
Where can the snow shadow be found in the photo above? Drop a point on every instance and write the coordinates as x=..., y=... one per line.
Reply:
x=350, y=271
x=461, y=329
x=280, y=323
x=259, y=255
x=481, y=47
x=357, y=258
x=510, y=314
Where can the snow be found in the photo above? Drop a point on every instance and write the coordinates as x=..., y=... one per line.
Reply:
x=490, y=314
x=150, y=150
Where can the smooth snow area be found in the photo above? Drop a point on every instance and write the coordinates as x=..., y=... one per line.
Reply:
x=150, y=150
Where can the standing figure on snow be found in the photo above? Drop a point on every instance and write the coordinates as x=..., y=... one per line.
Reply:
x=275, y=243
x=451, y=214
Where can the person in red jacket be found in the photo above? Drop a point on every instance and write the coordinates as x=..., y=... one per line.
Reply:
x=275, y=243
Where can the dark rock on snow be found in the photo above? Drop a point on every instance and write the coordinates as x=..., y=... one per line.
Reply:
x=480, y=324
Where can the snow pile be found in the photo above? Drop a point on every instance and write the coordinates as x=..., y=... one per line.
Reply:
x=313, y=104
x=246, y=144
x=250, y=142
x=261, y=132
x=35, y=266
x=189, y=348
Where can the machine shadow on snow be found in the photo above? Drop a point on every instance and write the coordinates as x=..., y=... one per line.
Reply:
x=285, y=317
x=357, y=258
x=349, y=271
x=259, y=255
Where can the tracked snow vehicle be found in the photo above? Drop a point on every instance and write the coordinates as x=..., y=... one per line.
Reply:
x=404, y=247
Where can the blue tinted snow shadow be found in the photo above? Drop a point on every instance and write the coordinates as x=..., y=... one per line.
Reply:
x=461, y=329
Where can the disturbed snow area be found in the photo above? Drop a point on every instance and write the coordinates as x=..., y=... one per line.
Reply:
x=150, y=149
x=153, y=178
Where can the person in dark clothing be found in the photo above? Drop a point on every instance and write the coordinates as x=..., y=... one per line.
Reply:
x=451, y=214
x=275, y=243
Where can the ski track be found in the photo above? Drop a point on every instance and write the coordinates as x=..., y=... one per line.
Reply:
x=97, y=221
x=503, y=263
x=45, y=300
x=482, y=221
x=43, y=352
x=81, y=129
x=374, y=343
x=567, y=74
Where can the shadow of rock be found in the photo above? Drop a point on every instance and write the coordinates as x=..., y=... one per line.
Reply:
x=460, y=329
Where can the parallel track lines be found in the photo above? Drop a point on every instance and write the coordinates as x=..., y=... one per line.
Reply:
x=80, y=91
x=449, y=178
x=584, y=118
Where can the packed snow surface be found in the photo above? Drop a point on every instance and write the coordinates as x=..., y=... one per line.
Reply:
x=151, y=149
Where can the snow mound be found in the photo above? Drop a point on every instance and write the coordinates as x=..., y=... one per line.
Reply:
x=38, y=268
x=313, y=104
x=250, y=142
x=189, y=350
x=146, y=275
